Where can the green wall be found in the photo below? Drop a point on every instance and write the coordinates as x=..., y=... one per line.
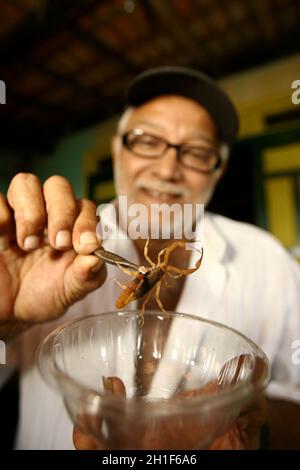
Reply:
x=66, y=160
x=10, y=163
x=74, y=157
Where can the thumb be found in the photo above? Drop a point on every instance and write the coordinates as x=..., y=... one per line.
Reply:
x=85, y=274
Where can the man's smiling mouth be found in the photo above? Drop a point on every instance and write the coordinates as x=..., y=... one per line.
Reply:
x=162, y=191
x=160, y=195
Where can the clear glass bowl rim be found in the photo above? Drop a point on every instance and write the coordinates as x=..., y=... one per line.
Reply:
x=224, y=397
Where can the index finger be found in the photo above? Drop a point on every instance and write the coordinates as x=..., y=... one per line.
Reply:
x=114, y=385
x=82, y=437
x=61, y=209
x=85, y=239
x=26, y=199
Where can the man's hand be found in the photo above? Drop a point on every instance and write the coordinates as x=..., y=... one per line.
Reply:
x=173, y=433
x=41, y=276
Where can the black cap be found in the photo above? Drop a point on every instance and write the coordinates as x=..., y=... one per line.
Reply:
x=171, y=80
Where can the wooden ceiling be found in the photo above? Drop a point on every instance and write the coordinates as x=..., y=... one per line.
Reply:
x=66, y=62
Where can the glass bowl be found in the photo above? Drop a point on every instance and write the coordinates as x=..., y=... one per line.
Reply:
x=176, y=381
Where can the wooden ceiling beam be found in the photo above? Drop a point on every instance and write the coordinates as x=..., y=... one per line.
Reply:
x=66, y=81
x=58, y=14
x=103, y=47
x=166, y=16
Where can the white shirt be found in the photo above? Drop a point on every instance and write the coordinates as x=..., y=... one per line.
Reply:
x=247, y=281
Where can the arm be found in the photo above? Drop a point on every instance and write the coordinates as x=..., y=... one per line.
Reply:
x=243, y=434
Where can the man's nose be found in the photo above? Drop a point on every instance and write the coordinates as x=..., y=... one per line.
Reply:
x=167, y=167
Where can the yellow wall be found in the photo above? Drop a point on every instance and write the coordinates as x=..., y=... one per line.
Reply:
x=281, y=169
x=262, y=91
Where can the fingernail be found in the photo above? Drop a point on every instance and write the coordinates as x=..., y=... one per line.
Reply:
x=32, y=242
x=4, y=243
x=63, y=239
x=107, y=384
x=88, y=238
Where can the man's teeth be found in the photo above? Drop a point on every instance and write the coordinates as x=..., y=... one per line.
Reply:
x=158, y=195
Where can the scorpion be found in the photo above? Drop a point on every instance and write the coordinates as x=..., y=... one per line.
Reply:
x=146, y=278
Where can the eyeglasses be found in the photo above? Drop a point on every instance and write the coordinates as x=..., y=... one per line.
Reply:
x=201, y=157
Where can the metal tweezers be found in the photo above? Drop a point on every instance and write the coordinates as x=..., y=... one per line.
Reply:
x=112, y=258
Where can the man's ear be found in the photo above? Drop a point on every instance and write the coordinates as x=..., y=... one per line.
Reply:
x=220, y=172
x=224, y=153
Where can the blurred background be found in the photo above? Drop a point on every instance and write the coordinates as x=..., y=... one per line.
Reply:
x=65, y=64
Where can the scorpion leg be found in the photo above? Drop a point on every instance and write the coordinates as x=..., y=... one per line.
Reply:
x=119, y=284
x=175, y=276
x=127, y=271
x=166, y=281
x=182, y=272
x=188, y=270
x=146, y=253
x=162, y=252
x=170, y=249
x=143, y=308
x=167, y=251
x=157, y=292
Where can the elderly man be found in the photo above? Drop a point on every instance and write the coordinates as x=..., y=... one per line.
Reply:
x=170, y=147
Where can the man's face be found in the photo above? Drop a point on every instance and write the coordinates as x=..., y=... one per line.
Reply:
x=165, y=180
